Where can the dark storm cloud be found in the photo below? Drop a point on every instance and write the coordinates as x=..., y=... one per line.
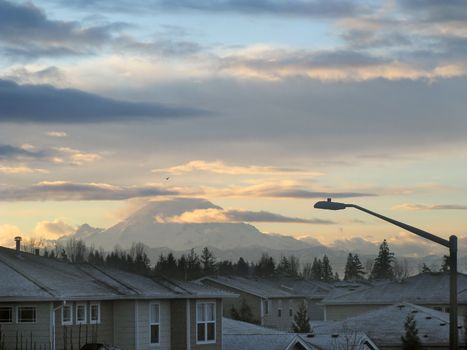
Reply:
x=435, y=10
x=264, y=216
x=68, y=191
x=47, y=104
x=26, y=31
x=9, y=152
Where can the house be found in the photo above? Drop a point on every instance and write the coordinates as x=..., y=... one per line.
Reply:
x=273, y=302
x=385, y=326
x=247, y=336
x=50, y=304
x=429, y=289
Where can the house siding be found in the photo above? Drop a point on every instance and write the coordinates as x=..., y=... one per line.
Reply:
x=124, y=324
x=75, y=336
x=164, y=326
x=37, y=334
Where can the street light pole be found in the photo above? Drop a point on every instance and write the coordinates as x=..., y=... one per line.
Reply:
x=451, y=244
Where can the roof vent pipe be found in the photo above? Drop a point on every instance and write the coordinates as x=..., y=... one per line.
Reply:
x=18, y=243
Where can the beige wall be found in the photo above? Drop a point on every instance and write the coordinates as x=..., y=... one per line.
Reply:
x=38, y=332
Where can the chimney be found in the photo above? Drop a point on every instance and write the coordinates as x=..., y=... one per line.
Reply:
x=18, y=243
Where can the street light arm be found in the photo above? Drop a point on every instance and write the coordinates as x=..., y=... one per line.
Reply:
x=412, y=229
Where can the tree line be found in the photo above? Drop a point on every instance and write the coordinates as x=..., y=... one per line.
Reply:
x=192, y=265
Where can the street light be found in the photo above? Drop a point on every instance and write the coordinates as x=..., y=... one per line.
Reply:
x=451, y=244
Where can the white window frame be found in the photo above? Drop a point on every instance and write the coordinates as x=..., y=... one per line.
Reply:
x=70, y=322
x=26, y=307
x=205, y=322
x=98, y=321
x=78, y=322
x=12, y=312
x=153, y=323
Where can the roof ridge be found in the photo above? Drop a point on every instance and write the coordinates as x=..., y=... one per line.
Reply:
x=102, y=282
x=116, y=279
x=40, y=285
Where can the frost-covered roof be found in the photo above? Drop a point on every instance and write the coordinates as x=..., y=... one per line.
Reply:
x=385, y=326
x=424, y=288
x=242, y=335
x=274, y=288
x=246, y=336
x=30, y=277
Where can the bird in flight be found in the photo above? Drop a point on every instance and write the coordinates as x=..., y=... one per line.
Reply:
x=167, y=178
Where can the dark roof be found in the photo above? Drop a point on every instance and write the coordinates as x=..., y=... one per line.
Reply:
x=30, y=277
x=425, y=288
x=273, y=288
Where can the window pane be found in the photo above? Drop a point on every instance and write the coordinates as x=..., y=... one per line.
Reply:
x=200, y=312
x=154, y=334
x=154, y=314
x=6, y=314
x=200, y=332
x=80, y=313
x=95, y=312
x=211, y=331
x=26, y=314
x=210, y=312
x=66, y=314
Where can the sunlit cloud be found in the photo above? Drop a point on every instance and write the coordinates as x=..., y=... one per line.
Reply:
x=21, y=170
x=7, y=234
x=78, y=157
x=57, y=134
x=414, y=207
x=219, y=167
x=54, y=229
x=200, y=216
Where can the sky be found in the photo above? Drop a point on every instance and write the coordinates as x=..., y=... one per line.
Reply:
x=262, y=107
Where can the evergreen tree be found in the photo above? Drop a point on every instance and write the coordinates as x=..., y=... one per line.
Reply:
x=243, y=314
x=243, y=269
x=382, y=268
x=411, y=341
x=265, y=266
x=358, y=270
x=193, y=265
x=208, y=261
x=316, y=270
x=445, y=265
x=425, y=268
x=327, y=274
x=301, y=321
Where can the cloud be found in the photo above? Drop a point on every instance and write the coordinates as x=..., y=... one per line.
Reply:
x=234, y=215
x=10, y=152
x=69, y=191
x=414, y=206
x=56, y=133
x=53, y=229
x=7, y=235
x=78, y=157
x=22, y=169
x=219, y=167
x=23, y=75
x=47, y=104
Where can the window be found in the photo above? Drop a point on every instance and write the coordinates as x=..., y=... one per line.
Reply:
x=266, y=306
x=81, y=314
x=67, y=315
x=154, y=323
x=95, y=313
x=205, y=323
x=6, y=314
x=279, y=308
x=26, y=314
x=290, y=308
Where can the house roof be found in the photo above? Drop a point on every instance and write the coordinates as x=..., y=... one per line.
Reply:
x=273, y=288
x=30, y=277
x=247, y=336
x=242, y=335
x=385, y=326
x=424, y=288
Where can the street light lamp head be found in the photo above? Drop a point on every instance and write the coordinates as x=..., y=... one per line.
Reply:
x=329, y=205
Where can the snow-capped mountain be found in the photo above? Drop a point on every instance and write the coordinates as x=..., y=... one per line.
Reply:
x=142, y=226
